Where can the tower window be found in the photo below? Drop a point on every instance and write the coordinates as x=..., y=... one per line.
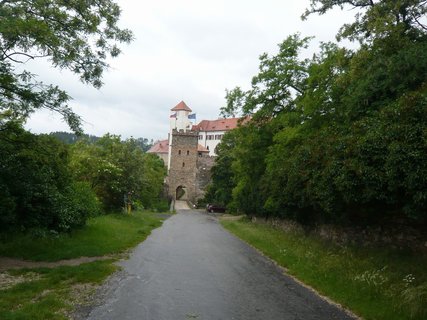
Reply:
x=188, y=153
x=179, y=152
x=183, y=164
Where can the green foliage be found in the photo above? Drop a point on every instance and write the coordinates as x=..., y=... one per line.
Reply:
x=116, y=169
x=47, y=187
x=78, y=204
x=161, y=206
x=151, y=190
x=52, y=293
x=70, y=138
x=102, y=235
x=273, y=91
x=380, y=19
x=219, y=192
x=37, y=186
x=340, y=137
x=73, y=35
x=48, y=293
x=373, y=283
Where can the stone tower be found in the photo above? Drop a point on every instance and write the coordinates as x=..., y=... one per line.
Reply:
x=178, y=121
x=183, y=154
x=183, y=165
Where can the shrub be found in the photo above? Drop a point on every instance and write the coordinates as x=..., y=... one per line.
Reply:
x=77, y=204
x=37, y=189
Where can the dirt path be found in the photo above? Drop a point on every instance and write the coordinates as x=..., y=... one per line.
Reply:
x=11, y=263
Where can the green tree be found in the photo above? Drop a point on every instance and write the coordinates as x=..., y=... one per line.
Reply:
x=280, y=80
x=115, y=169
x=377, y=19
x=339, y=137
x=221, y=187
x=73, y=35
x=154, y=173
x=37, y=186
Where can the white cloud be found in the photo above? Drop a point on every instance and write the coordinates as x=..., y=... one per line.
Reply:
x=183, y=50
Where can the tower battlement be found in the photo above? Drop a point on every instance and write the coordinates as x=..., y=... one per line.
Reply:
x=182, y=132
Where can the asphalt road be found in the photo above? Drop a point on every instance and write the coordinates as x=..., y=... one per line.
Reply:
x=191, y=268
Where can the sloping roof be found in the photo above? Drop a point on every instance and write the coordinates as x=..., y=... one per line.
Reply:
x=181, y=106
x=217, y=125
x=161, y=146
x=201, y=148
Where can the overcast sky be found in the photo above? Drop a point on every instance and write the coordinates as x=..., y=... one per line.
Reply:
x=190, y=50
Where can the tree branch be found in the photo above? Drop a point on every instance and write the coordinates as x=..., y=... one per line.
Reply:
x=422, y=26
x=30, y=57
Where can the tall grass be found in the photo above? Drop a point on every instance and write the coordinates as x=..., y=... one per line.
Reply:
x=373, y=283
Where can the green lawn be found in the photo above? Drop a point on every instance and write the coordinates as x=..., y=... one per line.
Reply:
x=373, y=283
x=43, y=293
x=107, y=234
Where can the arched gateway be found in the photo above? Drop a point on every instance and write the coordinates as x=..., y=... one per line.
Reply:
x=181, y=193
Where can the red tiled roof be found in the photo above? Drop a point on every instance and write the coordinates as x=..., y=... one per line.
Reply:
x=162, y=146
x=217, y=125
x=181, y=106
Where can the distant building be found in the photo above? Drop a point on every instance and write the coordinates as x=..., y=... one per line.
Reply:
x=161, y=148
x=211, y=132
x=189, y=152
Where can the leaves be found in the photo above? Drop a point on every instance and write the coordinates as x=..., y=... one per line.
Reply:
x=377, y=19
x=340, y=137
x=75, y=35
x=114, y=168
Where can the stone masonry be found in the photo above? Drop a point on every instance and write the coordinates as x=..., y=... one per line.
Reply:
x=203, y=174
x=183, y=165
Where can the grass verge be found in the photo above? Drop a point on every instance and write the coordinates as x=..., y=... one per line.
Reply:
x=373, y=283
x=43, y=293
x=107, y=234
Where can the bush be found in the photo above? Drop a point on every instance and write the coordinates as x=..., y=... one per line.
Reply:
x=162, y=205
x=77, y=204
x=37, y=189
x=7, y=207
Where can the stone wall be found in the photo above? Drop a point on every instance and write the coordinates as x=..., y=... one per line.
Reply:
x=203, y=174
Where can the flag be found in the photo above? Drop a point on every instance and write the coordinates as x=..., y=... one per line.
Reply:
x=192, y=116
x=173, y=115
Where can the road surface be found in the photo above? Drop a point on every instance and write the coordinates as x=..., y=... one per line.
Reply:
x=181, y=205
x=191, y=268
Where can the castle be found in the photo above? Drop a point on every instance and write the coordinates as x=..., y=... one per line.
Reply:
x=189, y=152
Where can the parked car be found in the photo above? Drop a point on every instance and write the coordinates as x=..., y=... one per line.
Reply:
x=215, y=208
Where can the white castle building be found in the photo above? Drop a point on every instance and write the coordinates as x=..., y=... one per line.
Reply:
x=210, y=132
